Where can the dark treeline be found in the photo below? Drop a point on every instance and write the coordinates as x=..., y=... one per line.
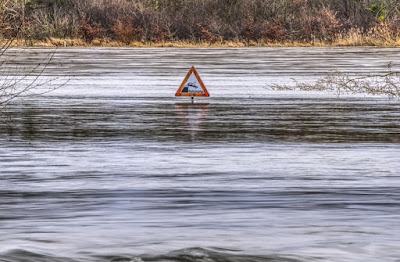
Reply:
x=264, y=21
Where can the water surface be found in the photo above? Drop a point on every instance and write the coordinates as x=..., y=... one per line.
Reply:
x=113, y=167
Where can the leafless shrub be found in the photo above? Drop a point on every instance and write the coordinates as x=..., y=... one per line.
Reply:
x=159, y=34
x=386, y=84
x=11, y=19
x=125, y=31
x=205, y=35
x=320, y=24
x=249, y=30
x=273, y=31
x=89, y=30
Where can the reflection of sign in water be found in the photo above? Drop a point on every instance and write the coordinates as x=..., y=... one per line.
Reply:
x=192, y=85
x=191, y=116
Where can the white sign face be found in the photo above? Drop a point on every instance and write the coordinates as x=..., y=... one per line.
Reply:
x=192, y=85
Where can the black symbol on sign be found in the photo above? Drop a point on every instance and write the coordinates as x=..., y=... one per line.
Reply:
x=186, y=88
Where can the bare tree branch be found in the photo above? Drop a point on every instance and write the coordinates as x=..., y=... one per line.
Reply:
x=16, y=80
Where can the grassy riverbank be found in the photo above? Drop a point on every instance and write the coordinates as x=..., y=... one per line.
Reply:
x=188, y=23
x=353, y=40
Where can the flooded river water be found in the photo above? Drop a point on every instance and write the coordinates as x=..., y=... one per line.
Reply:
x=112, y=167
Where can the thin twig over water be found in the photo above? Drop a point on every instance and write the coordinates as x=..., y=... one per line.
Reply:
x=386, y=84
x=21, y=78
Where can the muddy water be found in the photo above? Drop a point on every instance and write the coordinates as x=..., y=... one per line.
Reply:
x=112, y=167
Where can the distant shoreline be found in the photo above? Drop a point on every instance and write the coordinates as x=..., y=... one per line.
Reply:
x=201, y=23
x=76, y=42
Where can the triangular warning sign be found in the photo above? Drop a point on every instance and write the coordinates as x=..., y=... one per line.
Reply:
x=192, y=85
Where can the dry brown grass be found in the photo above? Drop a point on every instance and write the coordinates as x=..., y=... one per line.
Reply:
x=381, y=35
x=350, y=40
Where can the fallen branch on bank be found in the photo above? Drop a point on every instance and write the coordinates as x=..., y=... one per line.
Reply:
x=386, y=84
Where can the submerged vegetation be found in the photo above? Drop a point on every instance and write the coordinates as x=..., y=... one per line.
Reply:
x=201, y=22
x=384, y=84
